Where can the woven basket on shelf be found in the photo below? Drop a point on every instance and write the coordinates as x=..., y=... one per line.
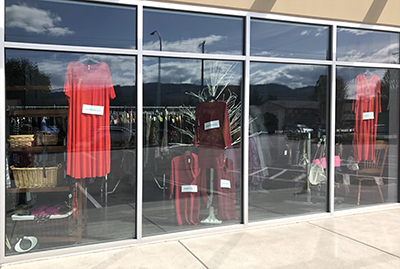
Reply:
x=33, y=177
x=46, y=138
x=20, y=140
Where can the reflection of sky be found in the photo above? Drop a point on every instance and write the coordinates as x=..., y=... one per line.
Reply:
x=185, y=31
x=54, y=64
x=291, y=75
x=349, y=74
x=62, y=22
x=279, y=39
x=367, y=46
x=188, y=71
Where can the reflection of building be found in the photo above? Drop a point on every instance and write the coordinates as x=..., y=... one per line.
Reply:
x=304, y=112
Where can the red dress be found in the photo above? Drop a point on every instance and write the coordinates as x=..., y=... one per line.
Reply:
x=88, y=90
x=212, y=132
x=366, y=106
x=185, y=179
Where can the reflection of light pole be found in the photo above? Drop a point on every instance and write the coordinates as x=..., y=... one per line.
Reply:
x=158, y=98
x=202, y=64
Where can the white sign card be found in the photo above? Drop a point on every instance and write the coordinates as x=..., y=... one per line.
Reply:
x=225, y=184
x=211, y=125
x=93, y=110
x=368, y=115
x=189, y=188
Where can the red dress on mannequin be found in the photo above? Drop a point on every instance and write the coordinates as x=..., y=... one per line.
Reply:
x=366, y=106
x=89, y=89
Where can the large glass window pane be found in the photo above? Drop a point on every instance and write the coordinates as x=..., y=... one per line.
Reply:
x=191, y=144
x=366, y=136
x=287, y=135
x=289, y=40
x=71, y=23
x=191, y=32
x=70, y=148
x=357, y=45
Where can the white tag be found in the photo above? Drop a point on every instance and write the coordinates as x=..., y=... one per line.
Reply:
x=225, y=184
x=94, y=110
x=368, y=115
x=189, y=188
x=211, y=125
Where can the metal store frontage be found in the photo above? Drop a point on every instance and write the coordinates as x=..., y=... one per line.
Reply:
x=125, y=122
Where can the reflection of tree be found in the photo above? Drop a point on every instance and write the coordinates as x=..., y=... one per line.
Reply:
x=22, y=76
x=341, y=97
x=389, y=83
x=271, y=122
x=22, y=72
x=256, y=98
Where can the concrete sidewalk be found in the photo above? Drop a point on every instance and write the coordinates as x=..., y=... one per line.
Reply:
x=368, y=240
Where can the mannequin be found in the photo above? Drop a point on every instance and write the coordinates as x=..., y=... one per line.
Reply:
x=212, y=136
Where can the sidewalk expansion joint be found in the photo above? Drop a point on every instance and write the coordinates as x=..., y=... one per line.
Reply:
x=355, y=240
x=194, y=255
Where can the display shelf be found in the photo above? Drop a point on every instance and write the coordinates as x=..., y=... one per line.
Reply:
x=56, y=112
x=38, y=149
x=23, y=190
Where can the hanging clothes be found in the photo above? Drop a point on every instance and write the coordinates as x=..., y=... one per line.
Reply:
x=256, y=176
x=224, y=196
x=88, y=89
x=366, y=106
x=185, y=181
x=212, y=131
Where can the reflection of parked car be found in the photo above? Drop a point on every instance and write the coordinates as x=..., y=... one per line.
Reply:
x=297, y=128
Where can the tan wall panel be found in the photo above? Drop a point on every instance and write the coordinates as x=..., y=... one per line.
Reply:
x=382, y=12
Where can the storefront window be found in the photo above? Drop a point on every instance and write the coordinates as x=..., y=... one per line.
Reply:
x=71, y=23
x=287, y=137
x=191, y=32
x=289, y=40
x=70, y=149
x=366, y=136
x=191, y=145
x=357, y=45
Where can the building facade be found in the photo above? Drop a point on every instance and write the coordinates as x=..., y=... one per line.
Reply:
x=126, y=122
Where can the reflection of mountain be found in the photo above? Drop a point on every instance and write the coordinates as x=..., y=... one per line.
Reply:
x=274, y=91
x=176, y=94
x=125, y=96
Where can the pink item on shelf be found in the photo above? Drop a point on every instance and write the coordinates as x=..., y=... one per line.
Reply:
x=323, y=161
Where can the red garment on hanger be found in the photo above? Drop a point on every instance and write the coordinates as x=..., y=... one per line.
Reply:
x=185, y=174
x=88, y=140
x=212, y=132
x=366, y=106
x=224, y=194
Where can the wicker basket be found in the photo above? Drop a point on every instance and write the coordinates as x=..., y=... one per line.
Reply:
x=33, y=177
x=46, y=138
x=21, y=140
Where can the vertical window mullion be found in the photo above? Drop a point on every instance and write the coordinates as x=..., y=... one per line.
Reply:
x=139, y=124
x=332, y=120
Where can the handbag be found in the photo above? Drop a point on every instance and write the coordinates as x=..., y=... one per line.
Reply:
x=317, y=174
